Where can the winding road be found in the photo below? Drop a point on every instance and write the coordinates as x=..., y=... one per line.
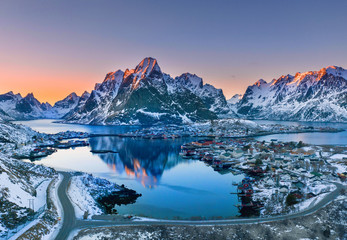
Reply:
x=69, y=217
x=70, y=223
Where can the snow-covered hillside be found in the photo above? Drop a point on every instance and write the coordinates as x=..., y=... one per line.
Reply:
x=310, y=96
x=23, y=186
x=147, y=95
x=15, y=133
x=94, y=196
x=19, y=182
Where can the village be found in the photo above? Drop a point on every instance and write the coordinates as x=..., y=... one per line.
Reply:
x=279, y=177
x=227, y=128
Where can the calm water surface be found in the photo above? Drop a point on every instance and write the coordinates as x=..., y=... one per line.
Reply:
x=171, y=187
x=339, y=138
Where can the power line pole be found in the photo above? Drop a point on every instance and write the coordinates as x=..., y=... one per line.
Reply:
x=31, y=204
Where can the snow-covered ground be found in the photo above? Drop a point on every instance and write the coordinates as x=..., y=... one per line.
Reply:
x=23, y=186
x=139, y=236
x=144, y=219
x=53, y=231
x=20, y=183
x=339, y=163
x=87, y=192
x=15, y=133
x=309, y=202
x=81, y=198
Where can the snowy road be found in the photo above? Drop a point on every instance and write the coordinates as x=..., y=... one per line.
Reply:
x=70, y=223
x=69, y=218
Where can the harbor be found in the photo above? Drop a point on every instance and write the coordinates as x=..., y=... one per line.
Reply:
x=280, y=176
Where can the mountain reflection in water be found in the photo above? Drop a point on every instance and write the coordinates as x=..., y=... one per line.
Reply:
x=145, y=160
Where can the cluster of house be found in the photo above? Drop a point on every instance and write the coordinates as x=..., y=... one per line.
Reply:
x=277, y=168
x=236, y=128
x=160, y=132
x=228, y=128
x=70, y=135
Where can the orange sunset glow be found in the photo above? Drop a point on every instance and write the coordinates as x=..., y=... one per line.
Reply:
x=46, y=51
x=222, y=119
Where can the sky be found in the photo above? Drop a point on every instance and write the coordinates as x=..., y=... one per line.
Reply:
x=53, y=48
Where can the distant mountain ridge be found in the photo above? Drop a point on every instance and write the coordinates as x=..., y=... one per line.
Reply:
x=146, y=95
x=310, y=96
x=15, y=107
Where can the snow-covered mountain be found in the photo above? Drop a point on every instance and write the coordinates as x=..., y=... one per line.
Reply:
x=146, y=95
x=15, y=107
x=310, y=96
x=62, y=107
x=235, y=99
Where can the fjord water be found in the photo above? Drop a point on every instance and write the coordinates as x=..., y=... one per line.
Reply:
x=317, y=138
x=171, y=187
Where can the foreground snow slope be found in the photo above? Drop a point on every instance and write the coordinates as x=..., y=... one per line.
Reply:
x=19, y=181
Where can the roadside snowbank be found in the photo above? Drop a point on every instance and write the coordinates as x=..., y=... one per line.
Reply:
x=81, y=198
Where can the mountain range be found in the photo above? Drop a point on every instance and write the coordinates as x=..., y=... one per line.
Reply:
x=146, y=95
x=15, y=107
x=310, y=96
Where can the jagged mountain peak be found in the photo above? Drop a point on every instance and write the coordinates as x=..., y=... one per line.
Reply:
x=46, y=106
x=309, y=96
x=146, y=67
x=190, y=79
x=335, y=68
x=11, y=94
x=29, y=95
x=189, y=75
x=85, y=94
x=284, y=79
x=128, y=72
x=235, y=99
x=114, y=75
x=337, y=71
x=31, y=99
x=260, y=82
x=311, y=76
x=72, y=95
x=146, y=95
x=110, y=80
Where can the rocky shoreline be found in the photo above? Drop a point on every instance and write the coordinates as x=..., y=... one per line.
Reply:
x=121, y=197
